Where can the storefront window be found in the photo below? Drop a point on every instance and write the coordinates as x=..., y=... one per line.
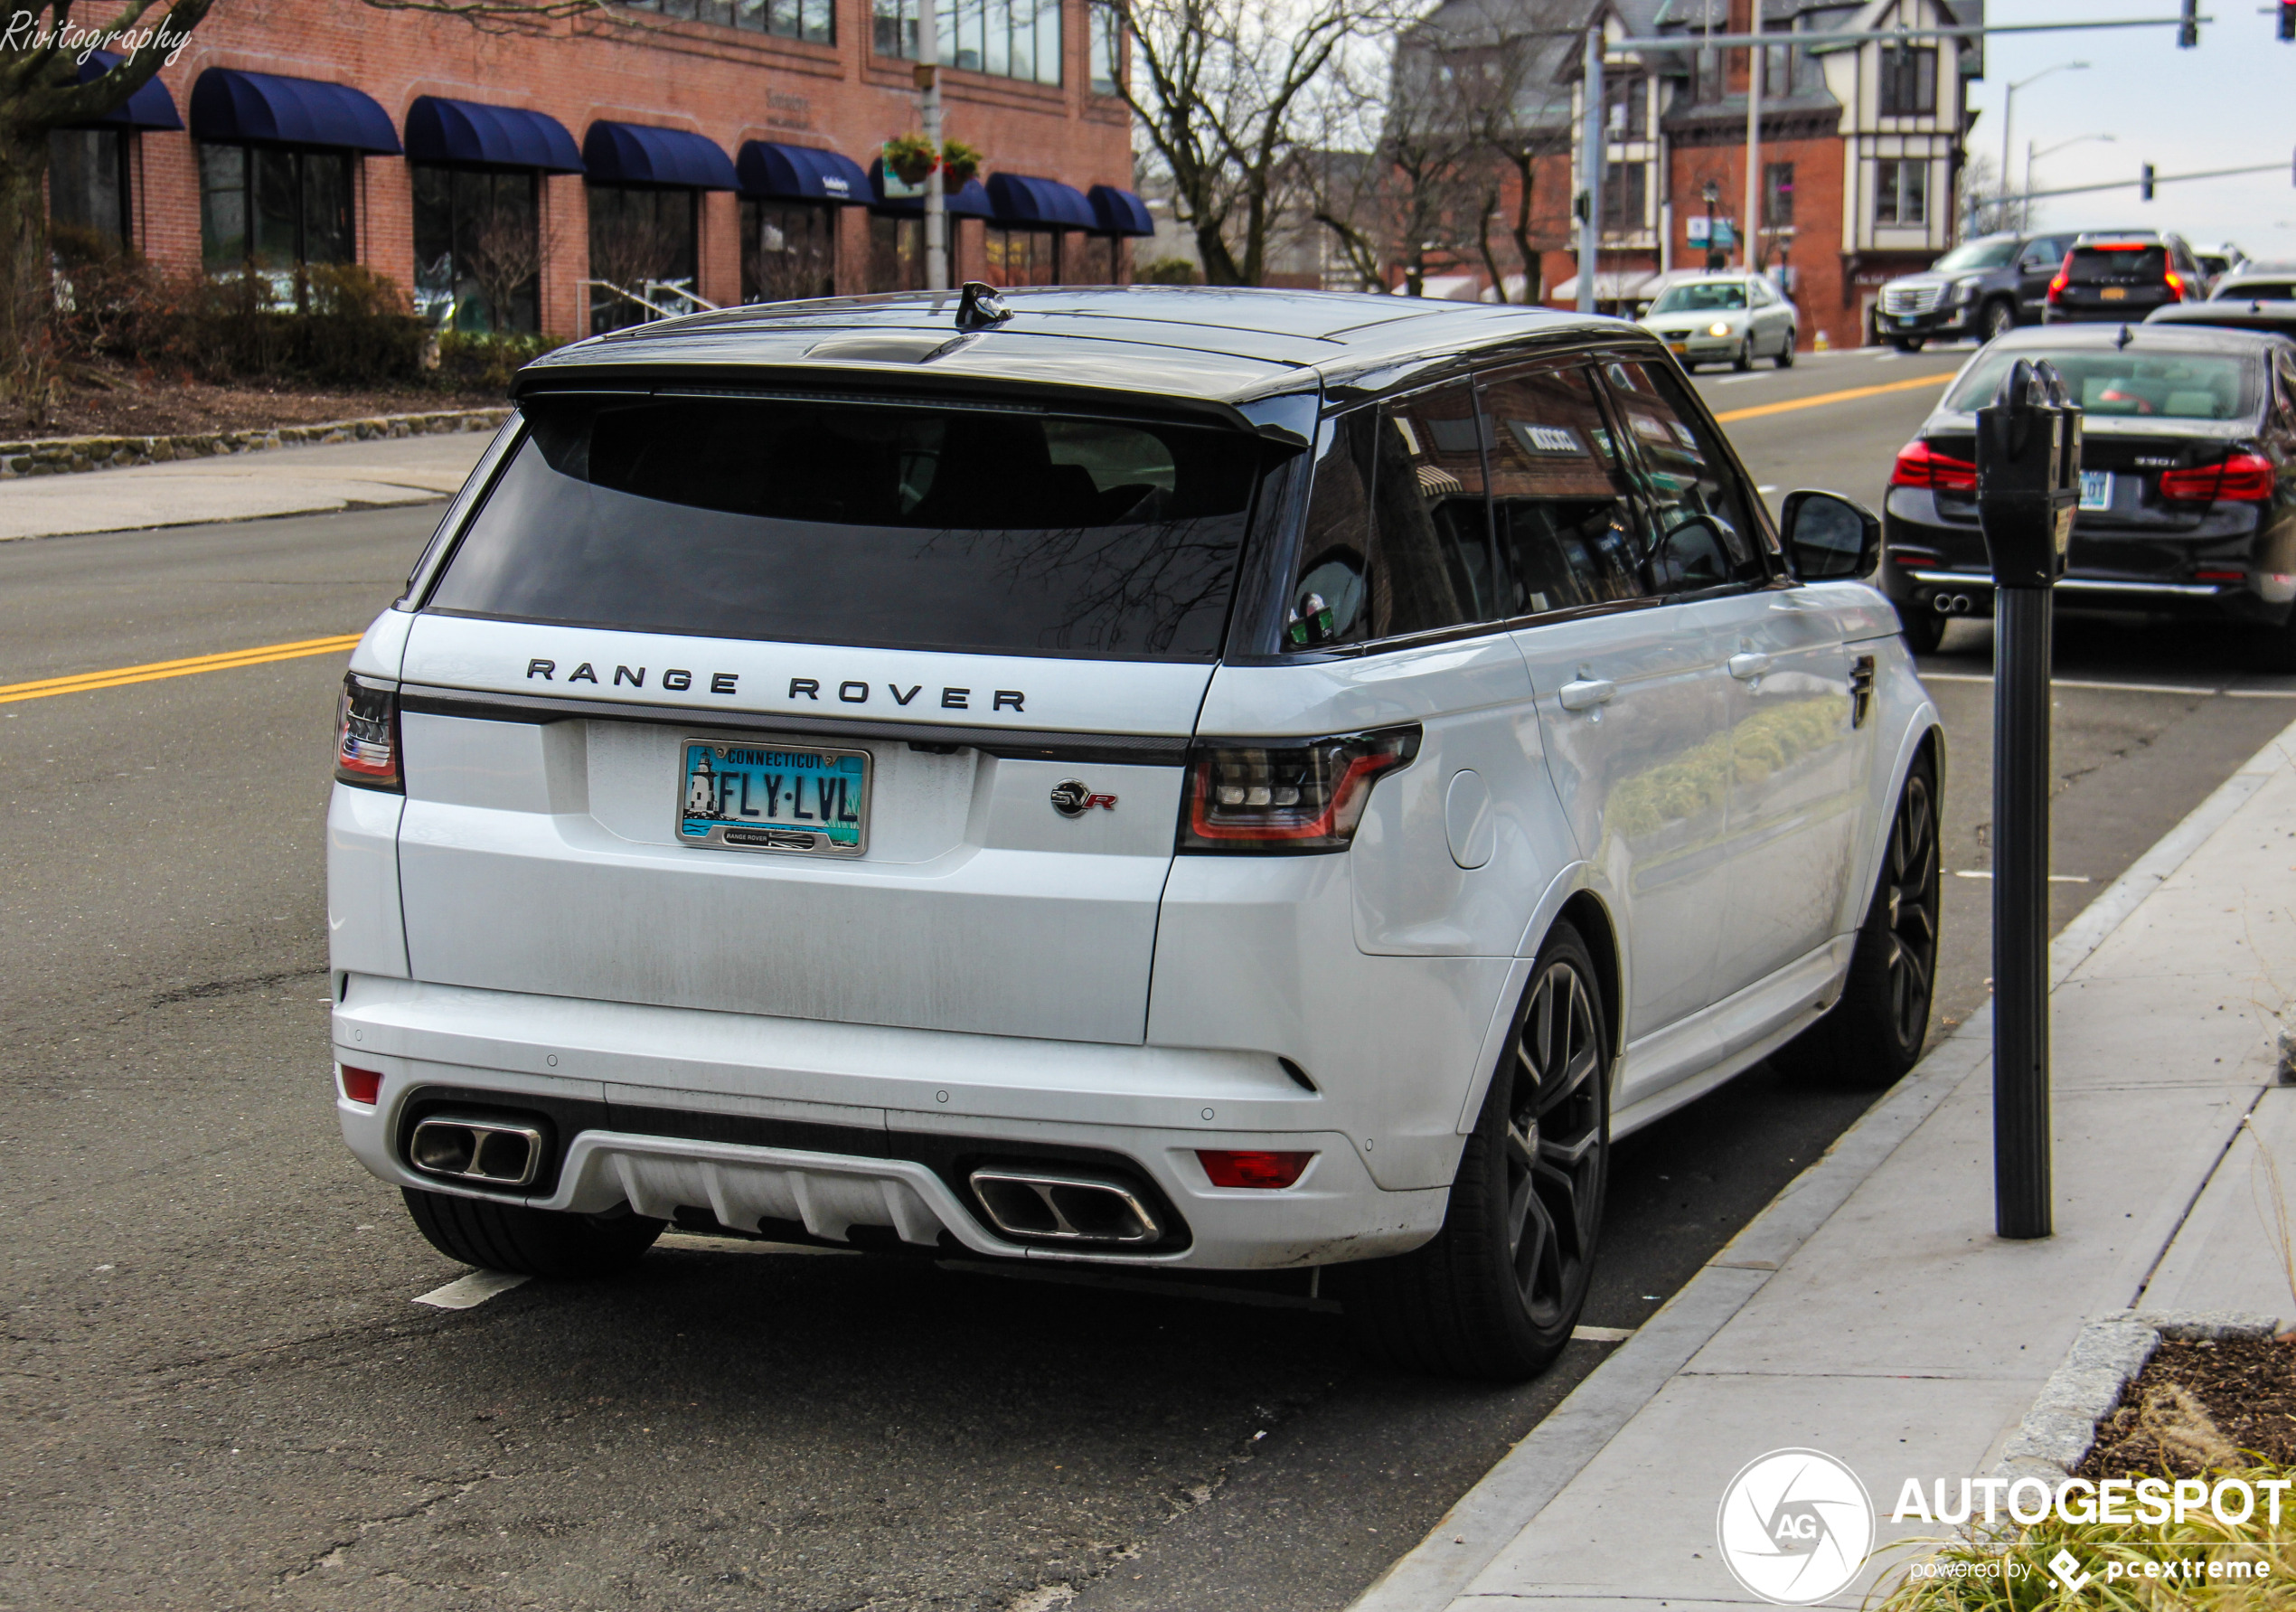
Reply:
x=1011, y=38
x=478, y=250
x=273, y=208
x=1023, y=256
x=788, y=250
x=896, y=252
x=88, y=185
x=644, y=243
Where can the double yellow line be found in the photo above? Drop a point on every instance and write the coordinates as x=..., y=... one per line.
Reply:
x=1759, y=410
x=152, y=672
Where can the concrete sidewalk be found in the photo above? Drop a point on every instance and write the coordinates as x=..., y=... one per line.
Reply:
x=1870, y=1312
x=285, y=481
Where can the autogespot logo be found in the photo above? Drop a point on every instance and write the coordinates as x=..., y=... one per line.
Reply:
x=1796, y=1526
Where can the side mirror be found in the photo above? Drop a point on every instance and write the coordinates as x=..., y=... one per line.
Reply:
x=1829, y=537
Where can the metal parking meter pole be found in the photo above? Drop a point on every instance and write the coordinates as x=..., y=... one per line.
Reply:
x=2028, y=474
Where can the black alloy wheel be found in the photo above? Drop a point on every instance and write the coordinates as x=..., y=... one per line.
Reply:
x=1497, y=1292
x=2000, y=318
x=1876, y=1032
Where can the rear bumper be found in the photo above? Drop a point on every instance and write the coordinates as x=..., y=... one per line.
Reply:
x=830, y=1128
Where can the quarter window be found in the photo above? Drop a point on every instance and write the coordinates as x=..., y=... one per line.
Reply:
x=1397, y=535
x=1561, y=502
x=1704, y=527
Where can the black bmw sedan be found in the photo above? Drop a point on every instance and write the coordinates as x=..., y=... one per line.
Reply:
x=2188, y=482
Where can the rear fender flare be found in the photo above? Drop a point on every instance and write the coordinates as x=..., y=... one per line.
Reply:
x=1574, y=880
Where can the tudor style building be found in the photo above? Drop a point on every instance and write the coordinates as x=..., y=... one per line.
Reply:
x=1861, y=143
x=545, y=175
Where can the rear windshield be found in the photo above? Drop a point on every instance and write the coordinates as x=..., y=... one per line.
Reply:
x=2132, y=383
x=2119, y=266
x=997, y=530
x=1699, y=298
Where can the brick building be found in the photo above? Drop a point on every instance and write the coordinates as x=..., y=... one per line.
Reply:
x=1861, y=142
x=725, y=148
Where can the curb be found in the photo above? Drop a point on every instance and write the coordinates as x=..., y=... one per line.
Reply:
x=1487, y=1519
x=2056, y=1435
x=66, y=456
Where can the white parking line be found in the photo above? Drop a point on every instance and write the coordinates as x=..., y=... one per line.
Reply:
x=689, y=1243
x=1602, y=1334
x=1988, y=874
x=2115, y=688
x=468, y=1292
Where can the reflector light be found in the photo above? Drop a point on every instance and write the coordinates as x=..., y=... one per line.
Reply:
x=366, y=737
x=2220, y=576
x=361, y=1086
x=1270, y=1170
x=2237, y=479
x=1922, y=466
x=1305, y=794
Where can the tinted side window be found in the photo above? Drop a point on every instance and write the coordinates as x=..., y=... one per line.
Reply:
x=1397, y=538
x=1705, y=529
x=1560, y=497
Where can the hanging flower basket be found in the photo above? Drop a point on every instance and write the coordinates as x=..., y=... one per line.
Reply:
x=909, y=159
x=960, y=164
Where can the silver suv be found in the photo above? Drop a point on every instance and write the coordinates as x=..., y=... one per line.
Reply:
x=1155, y=777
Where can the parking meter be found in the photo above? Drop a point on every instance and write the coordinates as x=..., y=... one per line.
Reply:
x=2029, y=475
x=2028, y=480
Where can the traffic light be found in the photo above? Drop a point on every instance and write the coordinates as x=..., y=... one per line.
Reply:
x=2189, y=31
x=2144, y=184
x=2287, y=22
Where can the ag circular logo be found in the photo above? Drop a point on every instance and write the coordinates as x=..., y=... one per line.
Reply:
x=1796, y=1526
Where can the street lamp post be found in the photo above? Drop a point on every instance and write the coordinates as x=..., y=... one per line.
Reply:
x=2024, y=206
x=2008, y=108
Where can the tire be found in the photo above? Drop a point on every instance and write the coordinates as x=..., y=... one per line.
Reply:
x=1998, y=318
x=531, y=1242
x=1922, y=630
x=2272, y=648
x=1907, y=344
x=1874, y=1034
x=1785, y=352
x=1745, y=360
x=1497, y=1292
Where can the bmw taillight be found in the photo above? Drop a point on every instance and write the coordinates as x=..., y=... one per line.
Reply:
x=1296, y=795
x=2237, y=479
x=366, y=735
x=1922, y=466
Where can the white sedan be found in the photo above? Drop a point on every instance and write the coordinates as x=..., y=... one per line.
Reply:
x=1717, y=317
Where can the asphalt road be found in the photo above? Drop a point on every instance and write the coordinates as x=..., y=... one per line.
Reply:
x=220, y=1394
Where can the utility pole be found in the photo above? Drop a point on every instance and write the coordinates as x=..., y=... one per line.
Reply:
x=928, y=83
x=1753, y=226
x=1591, y=137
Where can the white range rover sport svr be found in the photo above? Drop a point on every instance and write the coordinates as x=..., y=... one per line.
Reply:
x=1249, y=780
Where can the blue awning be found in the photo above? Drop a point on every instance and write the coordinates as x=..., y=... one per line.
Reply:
x=272, y=111
x=642, y=154
x=1120, y=211
x=439, y=130
x=1026, y=202
x=150, y=106
x=972, y=200
x=771, y=173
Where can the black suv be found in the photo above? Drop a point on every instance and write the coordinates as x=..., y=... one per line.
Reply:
x=2121, y=277
x=1979, y=289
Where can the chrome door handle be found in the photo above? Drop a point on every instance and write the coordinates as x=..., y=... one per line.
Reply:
x=1587, y=692
x=1749, y=665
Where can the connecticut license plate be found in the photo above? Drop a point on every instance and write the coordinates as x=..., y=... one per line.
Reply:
x=2097, y=489
x=767, y=798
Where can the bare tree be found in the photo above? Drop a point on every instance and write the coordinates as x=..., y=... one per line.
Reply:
x=1222, y=89
x=505, y=254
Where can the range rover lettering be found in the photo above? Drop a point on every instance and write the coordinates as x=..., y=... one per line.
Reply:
x=1170, y=778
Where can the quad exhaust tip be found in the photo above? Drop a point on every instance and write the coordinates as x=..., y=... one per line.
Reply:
x=491, y=1152
x=1066, y=1206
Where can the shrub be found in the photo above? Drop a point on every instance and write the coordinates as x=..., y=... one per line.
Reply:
x=472, y=363
x=1169, y=271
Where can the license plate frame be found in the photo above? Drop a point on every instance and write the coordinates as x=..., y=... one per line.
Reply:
x=2100, y=498
x=719, y=815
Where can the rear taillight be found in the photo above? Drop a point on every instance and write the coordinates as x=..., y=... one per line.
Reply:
x=1920, y=466
x=1301, y=795
x=2176, y=285
x=1271, y=1172
x=2064, y=277
x=361, y=1086
x=366, y=735
x=2238, y=478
